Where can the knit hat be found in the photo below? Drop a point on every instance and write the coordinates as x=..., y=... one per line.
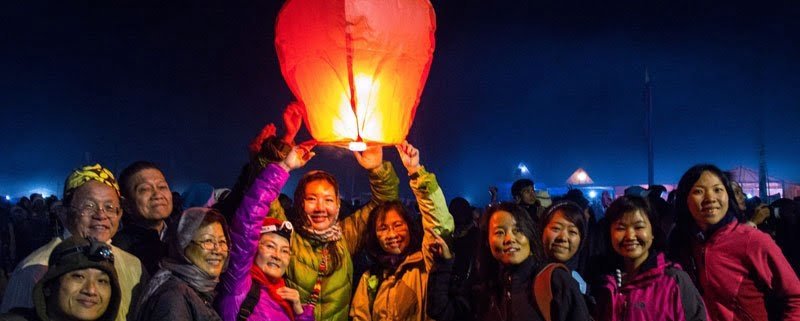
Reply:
x=274, y=225
x=77, y=253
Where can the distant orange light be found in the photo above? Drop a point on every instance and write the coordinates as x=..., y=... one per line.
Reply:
x=357, y=66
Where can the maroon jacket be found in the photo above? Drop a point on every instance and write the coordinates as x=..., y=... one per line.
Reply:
x=738, y=267
x=661, y=291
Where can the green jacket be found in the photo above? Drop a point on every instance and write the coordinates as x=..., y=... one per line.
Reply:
x=334, y=298
x=402, y=295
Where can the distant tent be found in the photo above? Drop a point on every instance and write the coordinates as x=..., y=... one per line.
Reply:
x=776, y=187
x=579, y=177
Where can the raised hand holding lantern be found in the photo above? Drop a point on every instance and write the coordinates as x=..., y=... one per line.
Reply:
x=358, y=67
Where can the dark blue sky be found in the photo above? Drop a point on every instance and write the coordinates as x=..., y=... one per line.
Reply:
x=557, y=86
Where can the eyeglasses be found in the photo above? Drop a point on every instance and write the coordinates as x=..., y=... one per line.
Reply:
x=210, y=244
x=95, y=251
x=92, y=209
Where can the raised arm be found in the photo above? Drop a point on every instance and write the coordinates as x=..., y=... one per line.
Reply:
x=436, y=217
x=384, y=185
x=246, y=223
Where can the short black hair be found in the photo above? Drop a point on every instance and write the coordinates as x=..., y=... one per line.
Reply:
x=519, y=185
x=127, y=173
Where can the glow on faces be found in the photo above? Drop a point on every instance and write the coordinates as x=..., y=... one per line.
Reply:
x=321, y=204
x=508, y=244
x=210, y=261
x=274, y=253
x=100, y=225
x=631, y=237
x=707, y=200
x=82, y=295
x=152, y=197
x=392, y=232
x=561, y=238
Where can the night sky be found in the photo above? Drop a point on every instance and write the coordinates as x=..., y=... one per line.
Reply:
x=187, y=84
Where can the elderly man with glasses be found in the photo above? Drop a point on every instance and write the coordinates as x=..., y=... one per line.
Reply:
x=92, y=204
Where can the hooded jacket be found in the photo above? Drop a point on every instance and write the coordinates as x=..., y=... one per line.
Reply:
x=302, y=273
x=181, y=290
x=660, y=291
x=19, y=291
x=245, y=232
x=739, y=269
x=402, y=294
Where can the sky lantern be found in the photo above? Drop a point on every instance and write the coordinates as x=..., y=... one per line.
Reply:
x=357, y=67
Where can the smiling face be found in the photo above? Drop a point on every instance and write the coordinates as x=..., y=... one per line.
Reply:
x=210, y=261
x=102, y=225
x=392, y=232
x=150, y=193
x=81, y=295
x=321, y=204
x=274, y=253
x=508, y=244
x=707, y=200
x=561, y=238
x=631, y=237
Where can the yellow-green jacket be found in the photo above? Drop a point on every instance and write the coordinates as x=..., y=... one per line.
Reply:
x=334, y=297
x=402, y=295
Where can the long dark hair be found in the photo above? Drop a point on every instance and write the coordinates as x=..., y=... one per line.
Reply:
x=299, y=218
x=682, y=236
x=373, y=246
x=488, y=266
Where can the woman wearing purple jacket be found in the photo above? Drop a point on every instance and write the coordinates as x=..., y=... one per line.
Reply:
x=253, y=287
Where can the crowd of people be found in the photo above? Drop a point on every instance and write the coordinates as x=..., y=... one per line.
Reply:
x=127, y=249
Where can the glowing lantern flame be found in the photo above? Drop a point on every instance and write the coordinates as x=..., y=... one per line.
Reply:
x=357, y=66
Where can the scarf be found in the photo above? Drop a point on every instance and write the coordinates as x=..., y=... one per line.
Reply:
x=272, y=286
x=331, y=234
x=198, y=280
x=81, y=176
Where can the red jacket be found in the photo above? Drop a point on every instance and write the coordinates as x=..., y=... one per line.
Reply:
x=661, y=291
x=737, y=268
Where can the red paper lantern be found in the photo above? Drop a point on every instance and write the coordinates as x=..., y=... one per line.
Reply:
x=357, y=66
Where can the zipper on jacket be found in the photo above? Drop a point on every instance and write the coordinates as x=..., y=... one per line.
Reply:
x=507, y=293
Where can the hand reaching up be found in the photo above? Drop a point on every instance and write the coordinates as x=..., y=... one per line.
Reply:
x=298, y=156
x=371, y=158
x=439, y=247
x=292, y=120
x=410, y=157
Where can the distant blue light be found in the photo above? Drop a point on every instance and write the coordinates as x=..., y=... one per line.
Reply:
x=749, y=195
x=592, y=194
x=8, y=197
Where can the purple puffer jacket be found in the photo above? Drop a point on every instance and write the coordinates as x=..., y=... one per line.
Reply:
x=661, y=291
x=245, y=232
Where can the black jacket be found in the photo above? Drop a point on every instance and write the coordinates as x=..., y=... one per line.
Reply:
x=176, y=300
x=511, y=299
x=144, y=243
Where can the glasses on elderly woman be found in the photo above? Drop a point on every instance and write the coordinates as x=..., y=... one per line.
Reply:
x=210, y=244
x=92, y=209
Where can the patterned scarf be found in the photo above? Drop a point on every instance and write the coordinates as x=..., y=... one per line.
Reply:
x=272, y=287
x=331, y=234
x=85, y=174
